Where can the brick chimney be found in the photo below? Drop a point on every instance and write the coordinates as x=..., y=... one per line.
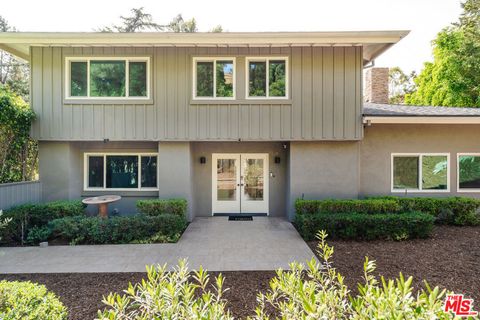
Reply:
x=376, y=85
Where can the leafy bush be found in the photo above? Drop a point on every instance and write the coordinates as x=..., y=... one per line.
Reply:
x=3, y=222
x=451, y=210
x=366, y=226
x=28, y=216
x=317, y=291
x=122, y=229
x=29, y=301
x=169, y=295
x=368, y=206
x=163, y=206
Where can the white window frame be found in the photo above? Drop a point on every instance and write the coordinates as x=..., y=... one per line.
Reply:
x=420, y=173
x=460, y=190
x=214, y=60
x=267, y=93
x=69, y=60
x=104, y=155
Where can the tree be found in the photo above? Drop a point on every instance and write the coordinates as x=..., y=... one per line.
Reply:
x=178, y=24
x=453, y=78
x=14, y=73
x=138, y=21
x=400, y=84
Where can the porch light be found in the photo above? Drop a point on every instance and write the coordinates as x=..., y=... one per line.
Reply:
x=203, y=160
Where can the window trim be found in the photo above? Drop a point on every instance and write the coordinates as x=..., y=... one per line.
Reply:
x=214, y=60
x=267, y=60
x=69, y=59
x=86, y=155
x=420, y=173
x=460, y=190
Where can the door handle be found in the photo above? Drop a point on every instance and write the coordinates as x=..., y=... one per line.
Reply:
x=239, y=184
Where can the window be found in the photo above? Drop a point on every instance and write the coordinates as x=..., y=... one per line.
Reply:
x=420, y=172
x=120, y=171
x=267, y=77
x=468, y=172
x=214, y=78
x=111, y=78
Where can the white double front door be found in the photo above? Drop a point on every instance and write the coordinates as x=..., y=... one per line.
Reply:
x=240, y=183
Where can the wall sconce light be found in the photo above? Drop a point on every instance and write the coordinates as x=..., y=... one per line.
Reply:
x=203, y=160
x=277, y=159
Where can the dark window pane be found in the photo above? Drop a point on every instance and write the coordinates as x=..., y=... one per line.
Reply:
x=149, y=172
x=122, y=171
x=225, y=79
x=137, y=79
x=78, y=79
x=95, y=172
x=434, y=172
x=257, y=84
x=469, y=172
x=204, y=79
x=107, y=78
x=405, y=172
x=277, y=78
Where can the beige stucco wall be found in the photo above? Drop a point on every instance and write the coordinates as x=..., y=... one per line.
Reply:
x=383, y=140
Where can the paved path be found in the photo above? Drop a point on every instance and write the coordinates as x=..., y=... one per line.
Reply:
x=215, y=243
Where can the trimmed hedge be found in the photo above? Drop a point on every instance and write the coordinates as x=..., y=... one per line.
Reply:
x=451, y=210
x=28, y=216
x=365, y=226
x=115, y=230
x=163, y=206
x=369, y=206
x=29, y=301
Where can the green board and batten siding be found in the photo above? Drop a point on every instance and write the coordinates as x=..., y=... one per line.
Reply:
x=324, y=102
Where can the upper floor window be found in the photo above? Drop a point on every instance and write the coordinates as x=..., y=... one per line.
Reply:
x=214, y=78
x=112, y=78
x=267, y=77
x=420, y=172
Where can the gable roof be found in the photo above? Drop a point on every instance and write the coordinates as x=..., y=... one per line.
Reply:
x=403, y=114
x=374, y=42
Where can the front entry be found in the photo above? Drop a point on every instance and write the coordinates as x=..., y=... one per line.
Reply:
x=240, y=183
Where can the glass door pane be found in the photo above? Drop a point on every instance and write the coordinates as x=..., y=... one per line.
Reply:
x=226, y=180
x=253, y=180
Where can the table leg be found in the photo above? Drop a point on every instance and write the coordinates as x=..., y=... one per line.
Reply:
x=103, y=210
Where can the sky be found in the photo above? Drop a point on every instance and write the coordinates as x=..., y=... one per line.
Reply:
x=425, y=18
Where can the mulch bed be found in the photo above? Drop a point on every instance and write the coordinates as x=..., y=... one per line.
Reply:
x=451, y=259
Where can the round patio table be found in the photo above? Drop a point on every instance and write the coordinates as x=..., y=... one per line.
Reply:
x=102, y=202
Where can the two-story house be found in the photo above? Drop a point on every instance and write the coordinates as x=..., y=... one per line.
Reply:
x=237, y=123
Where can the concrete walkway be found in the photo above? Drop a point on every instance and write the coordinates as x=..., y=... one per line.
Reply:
x=215, y=243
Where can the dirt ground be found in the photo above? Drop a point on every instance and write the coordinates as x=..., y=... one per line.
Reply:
x=451, y=259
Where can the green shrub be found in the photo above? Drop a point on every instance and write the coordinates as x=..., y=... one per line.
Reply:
x=317, y=291
x=3, y=222
x=366, y=226
x=451, y=210
x=25, y=217
x=169, y=295
x=369, y=206
x=114, y=230
x=163, y=206
x=29, y=301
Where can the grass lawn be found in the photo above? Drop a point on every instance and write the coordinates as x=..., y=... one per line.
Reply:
x=449, y=259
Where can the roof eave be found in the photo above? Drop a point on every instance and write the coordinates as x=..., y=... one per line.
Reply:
x=421, y=119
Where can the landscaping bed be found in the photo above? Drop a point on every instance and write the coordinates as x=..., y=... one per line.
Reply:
x=448, y=259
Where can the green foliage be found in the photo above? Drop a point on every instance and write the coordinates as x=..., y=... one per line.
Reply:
x=451, y=210
x=18, y=153
x=452, y=79
x=169, y=295
x=3, y=222
x=400, y=84
x=178, y=24
x=314, y=291
x=115, y=230
x=137, y=21
x=29, y=301
x=163, y=206
x=277, y=79
x=368, y=206
x=317, y=291
x=28, y=216
x=366, y=226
